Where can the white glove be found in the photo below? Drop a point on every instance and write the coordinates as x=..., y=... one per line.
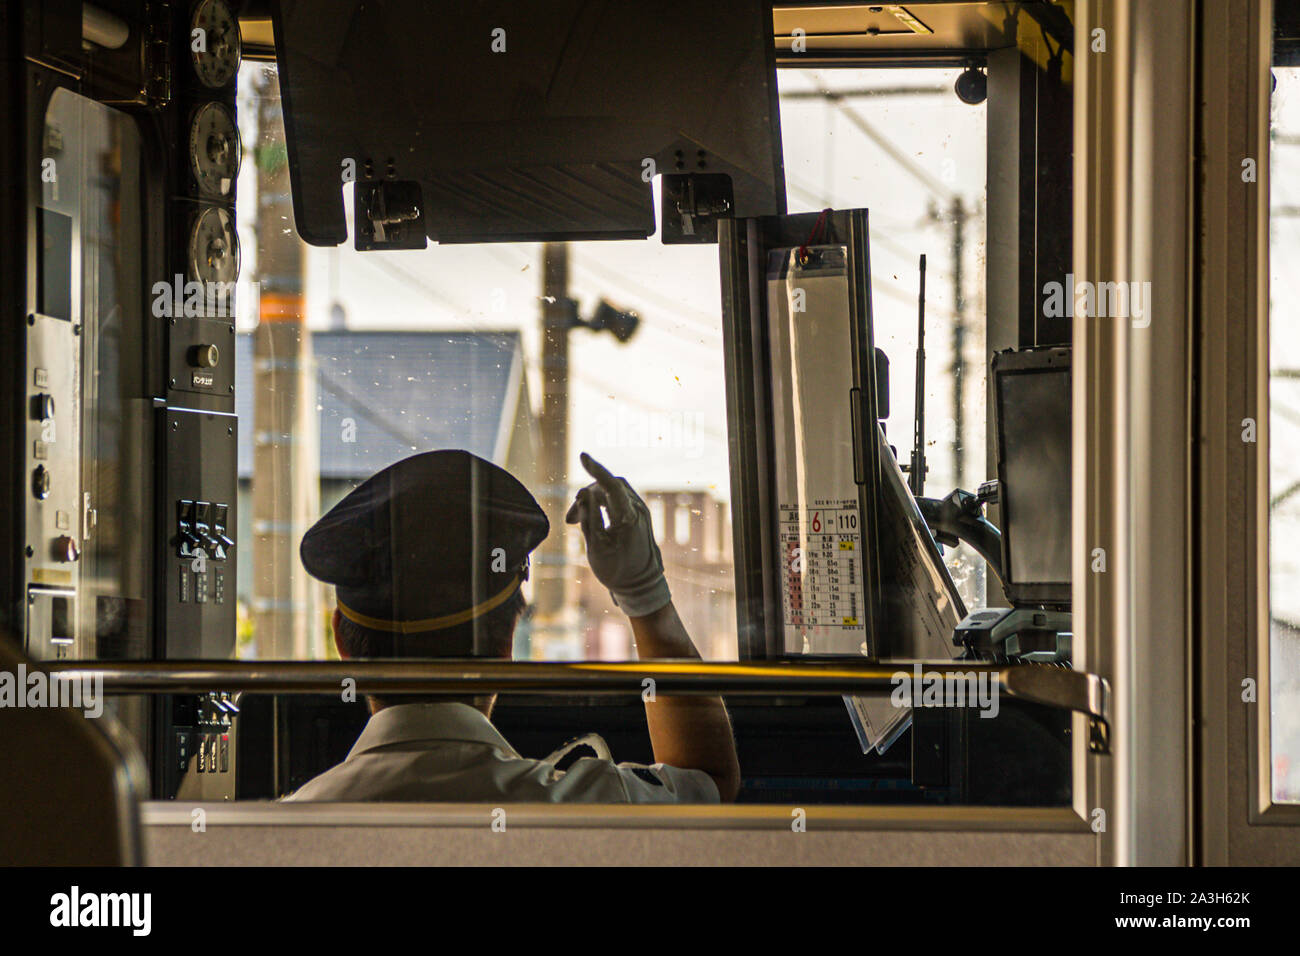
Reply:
x=623, y=556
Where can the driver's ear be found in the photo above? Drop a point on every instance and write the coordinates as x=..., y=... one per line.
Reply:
x=334, y=625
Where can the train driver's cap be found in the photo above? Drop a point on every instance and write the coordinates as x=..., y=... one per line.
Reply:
x=431, y=542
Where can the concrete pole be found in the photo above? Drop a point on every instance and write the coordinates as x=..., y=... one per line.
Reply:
x=550, y=572
x=286, y=460
x=958, y=213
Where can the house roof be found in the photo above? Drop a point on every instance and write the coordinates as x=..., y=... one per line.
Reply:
x=382, y=396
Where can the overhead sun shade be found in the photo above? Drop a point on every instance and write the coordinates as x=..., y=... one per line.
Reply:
x=509, y=121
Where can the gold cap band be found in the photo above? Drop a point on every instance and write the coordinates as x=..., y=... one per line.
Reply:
x=430, y=623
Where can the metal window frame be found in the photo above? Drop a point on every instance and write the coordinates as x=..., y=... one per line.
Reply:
x=1036, y=683
x=459, y=834
x=749, y=429
x=1134, y=109
x=743, y=246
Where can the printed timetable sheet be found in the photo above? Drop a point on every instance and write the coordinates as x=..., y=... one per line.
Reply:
x=821, y=554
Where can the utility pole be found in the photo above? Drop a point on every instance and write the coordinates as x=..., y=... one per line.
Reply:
x=285, y=484
x=958, y=214
x=550, y=572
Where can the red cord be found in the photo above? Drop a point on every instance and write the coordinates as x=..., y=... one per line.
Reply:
x=818, y=230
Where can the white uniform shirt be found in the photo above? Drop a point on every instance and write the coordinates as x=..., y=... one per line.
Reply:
x=451, y=752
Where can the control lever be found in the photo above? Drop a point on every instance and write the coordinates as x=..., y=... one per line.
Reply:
x=202, y=526
x=959, y=517
x=220, y=515
x=185, y=519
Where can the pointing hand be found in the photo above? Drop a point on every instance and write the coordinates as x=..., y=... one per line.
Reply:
x=623, y=554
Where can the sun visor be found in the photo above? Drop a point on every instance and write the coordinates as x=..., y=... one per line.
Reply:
x=525, y=122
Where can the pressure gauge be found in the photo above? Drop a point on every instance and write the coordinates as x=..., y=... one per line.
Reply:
x=214, y=150
x=214, y=247
x=214, y=43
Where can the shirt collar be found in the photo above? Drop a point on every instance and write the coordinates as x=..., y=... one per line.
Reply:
x=450, y=722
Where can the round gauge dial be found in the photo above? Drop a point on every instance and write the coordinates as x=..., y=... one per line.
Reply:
x=214, y=43
x=214, y=150
x=214, y=247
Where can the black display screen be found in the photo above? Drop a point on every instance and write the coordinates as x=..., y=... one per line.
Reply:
x=1034, y=426
x=55, y=246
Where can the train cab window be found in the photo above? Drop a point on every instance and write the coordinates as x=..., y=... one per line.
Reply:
x=349, y=361
x=525, y=354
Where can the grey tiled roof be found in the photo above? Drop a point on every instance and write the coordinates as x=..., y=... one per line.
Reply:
x=403, y=391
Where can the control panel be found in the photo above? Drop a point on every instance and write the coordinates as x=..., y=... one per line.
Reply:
x=197, y=297
x=202, y=361
x=201, y=761
x=121, y=397
x=53, y=488
x=195, y=303
x=51, y=483
x=199, y=606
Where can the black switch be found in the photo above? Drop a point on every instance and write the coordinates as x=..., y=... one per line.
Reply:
x=220, y=518
x=187, y=540
x=203, y=525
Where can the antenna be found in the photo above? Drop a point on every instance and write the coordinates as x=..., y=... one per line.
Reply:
x=916, y=473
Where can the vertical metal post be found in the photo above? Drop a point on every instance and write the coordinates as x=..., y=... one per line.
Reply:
x=866, y=419
x=747, y=375
x=1134, y=99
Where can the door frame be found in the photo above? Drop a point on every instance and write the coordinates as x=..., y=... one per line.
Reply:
x=1237, y=821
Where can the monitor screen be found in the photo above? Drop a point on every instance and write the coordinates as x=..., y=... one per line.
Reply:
x=1034, y=471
